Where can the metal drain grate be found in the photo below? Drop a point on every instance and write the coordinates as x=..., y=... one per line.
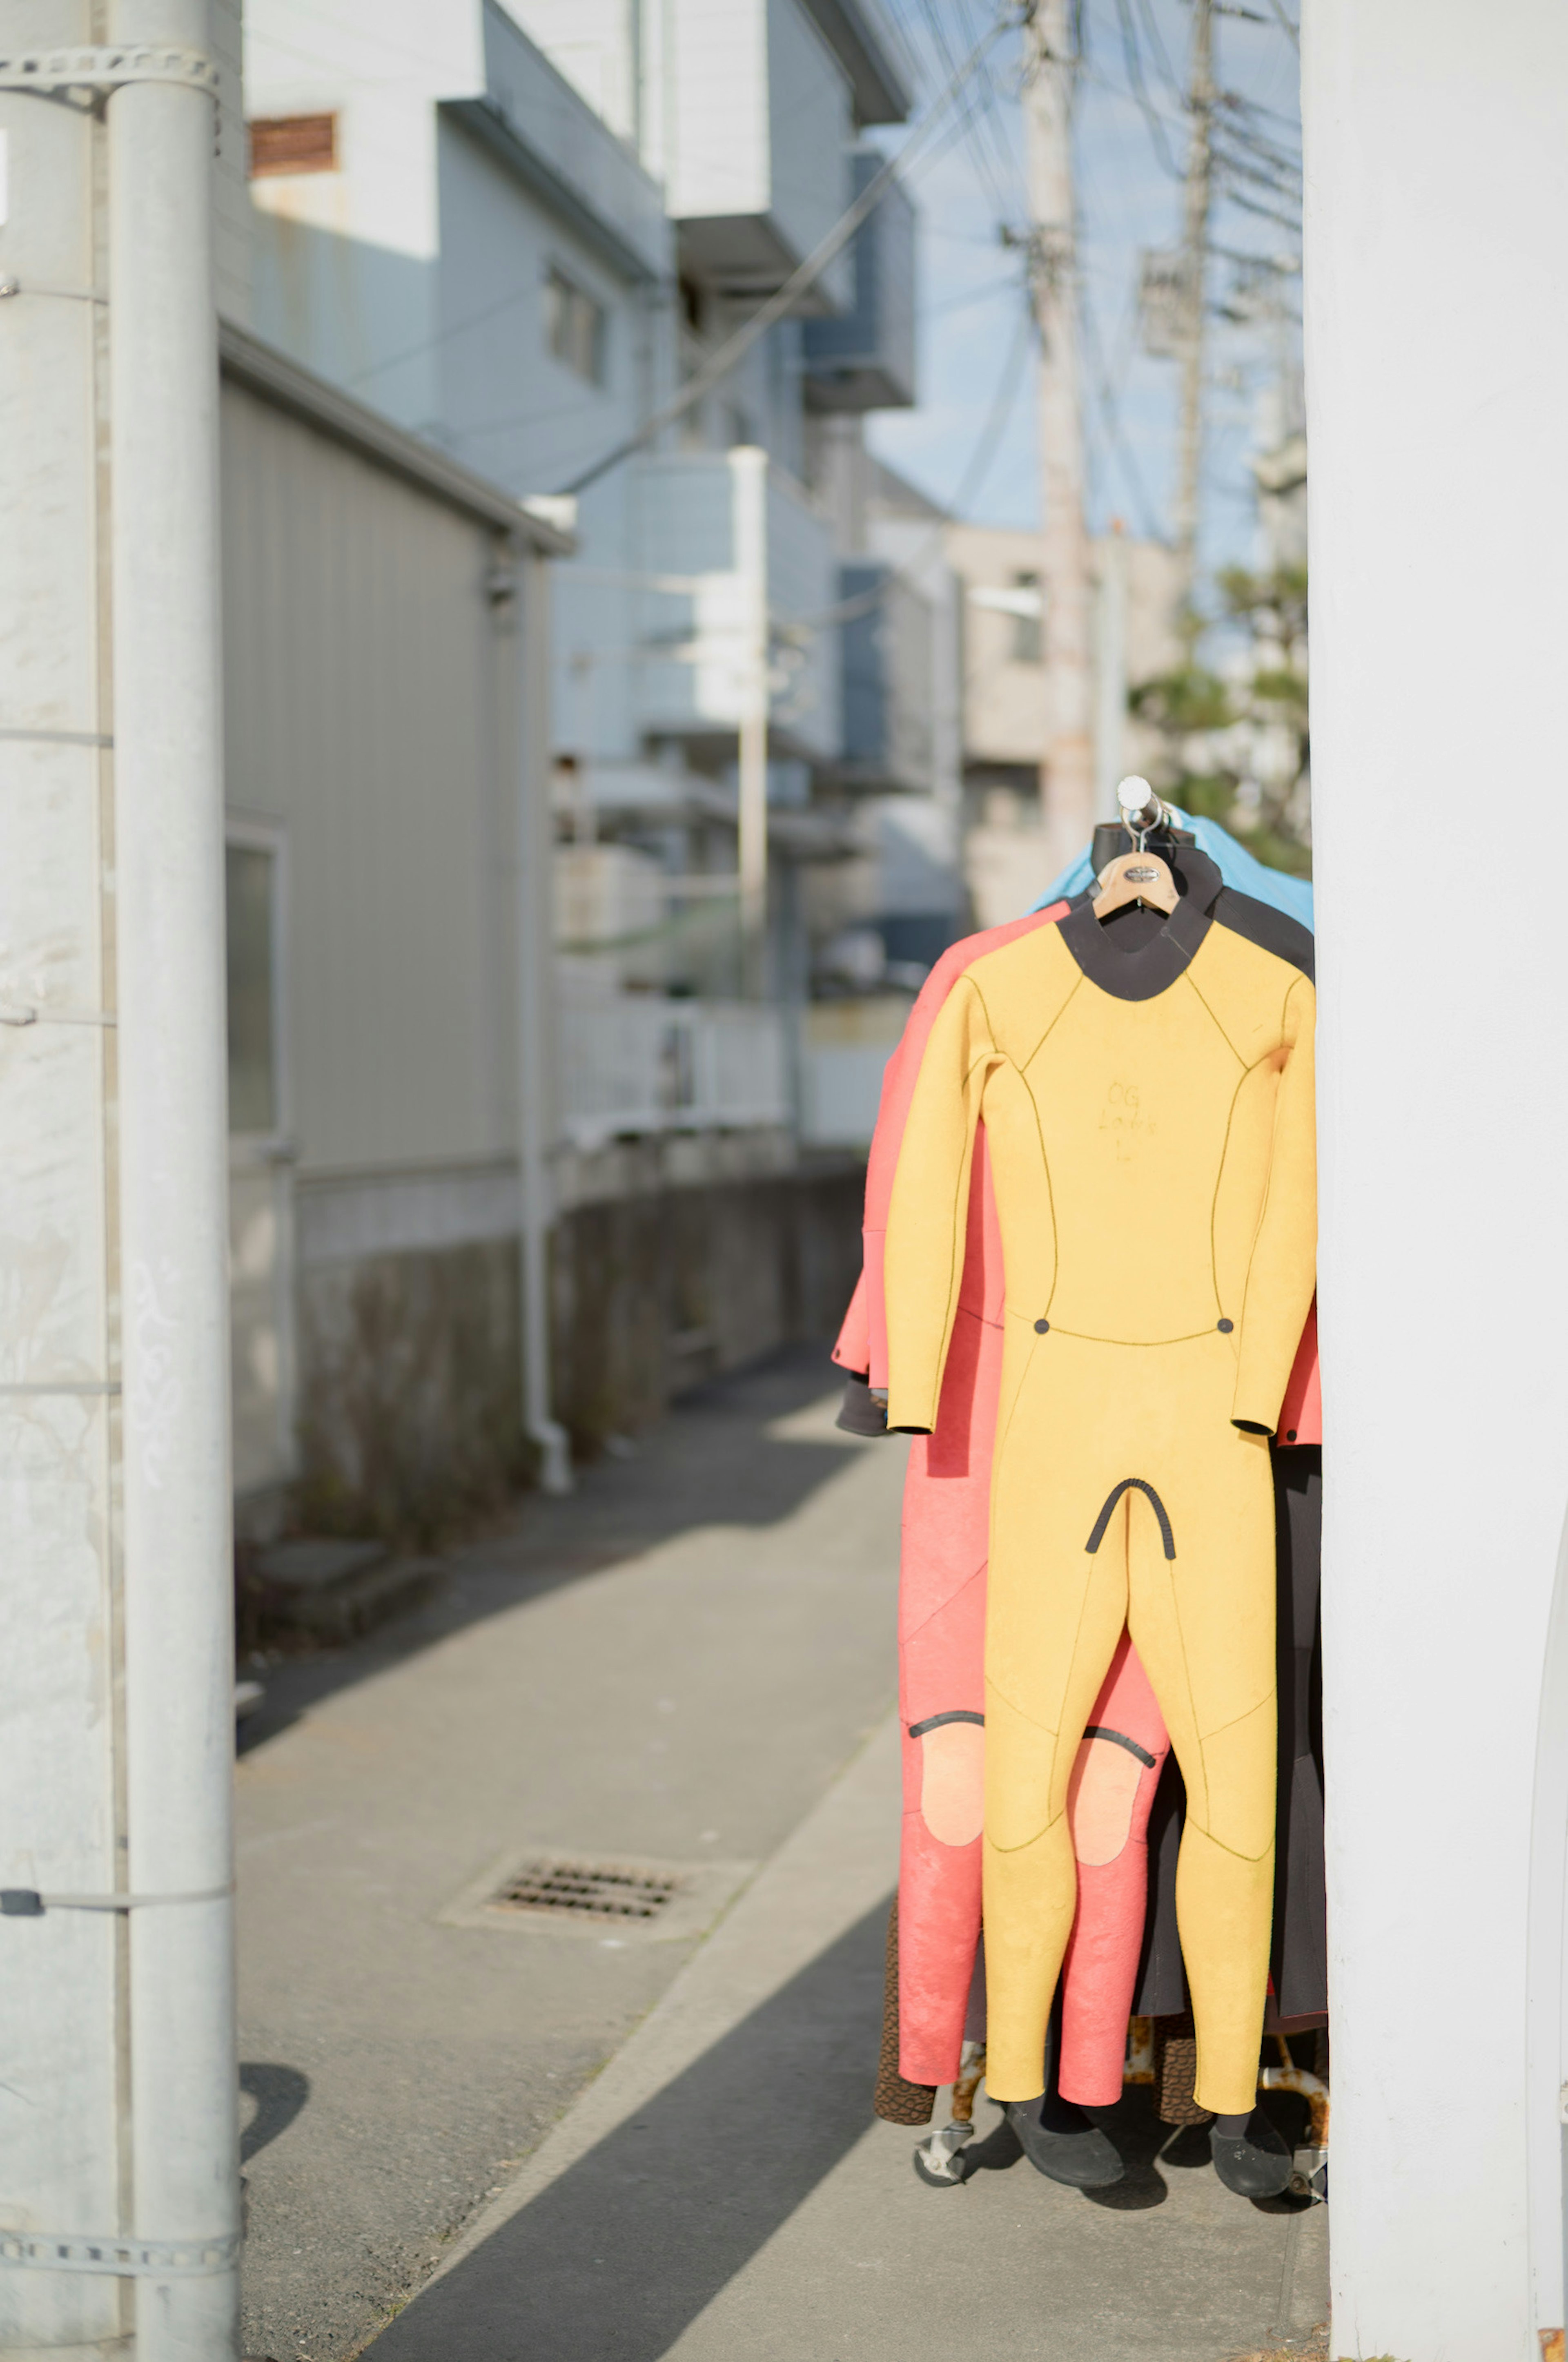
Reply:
x=605, y=1898
x=589, y=1890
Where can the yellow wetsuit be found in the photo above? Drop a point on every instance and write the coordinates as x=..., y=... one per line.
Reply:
x=1149, y=1119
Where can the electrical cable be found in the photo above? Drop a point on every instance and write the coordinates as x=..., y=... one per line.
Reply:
x=1236, y=126
x=1256, y=107
x=527, y=292
x=973, y=296
x=1115, y=433
x=719, y=364
x=1252, y=173
x=315, y=14
x=1134, y=65
x=1283, y=221
x=976, y=468
x=974, y=122
x=525, y=417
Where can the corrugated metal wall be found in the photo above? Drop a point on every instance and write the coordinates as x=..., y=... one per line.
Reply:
x=371, y=709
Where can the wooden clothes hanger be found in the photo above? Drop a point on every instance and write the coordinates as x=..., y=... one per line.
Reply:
x=1139, y=875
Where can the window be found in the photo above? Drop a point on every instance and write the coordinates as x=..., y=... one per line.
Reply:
x=251, y=883
x=573, y=326
x=1028, y=634
x=293, y=143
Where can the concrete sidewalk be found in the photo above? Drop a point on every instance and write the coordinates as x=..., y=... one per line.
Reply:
x=613, y=1680
x=676, y=1662
x=719, y=2192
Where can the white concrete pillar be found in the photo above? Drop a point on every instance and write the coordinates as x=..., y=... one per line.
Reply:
x=62, y=2172
x=1437, y=364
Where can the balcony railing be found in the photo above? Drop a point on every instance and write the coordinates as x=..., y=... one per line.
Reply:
x=685, y=678
x=635, y=1063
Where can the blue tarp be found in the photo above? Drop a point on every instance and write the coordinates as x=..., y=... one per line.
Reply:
x=1236, y=865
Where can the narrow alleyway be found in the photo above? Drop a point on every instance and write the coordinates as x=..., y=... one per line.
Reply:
x=690, y=1661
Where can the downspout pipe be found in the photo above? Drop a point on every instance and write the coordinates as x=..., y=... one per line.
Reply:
x=1546, y=2015
x=173, y=1195
x=536, y=1024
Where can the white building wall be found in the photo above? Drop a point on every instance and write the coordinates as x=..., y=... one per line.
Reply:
x=360, y=274
x=506, y=404
x=344, y=274
x=1436, y=353
x=812, y=133
x=720, y=149
x=759, y=127
x=592, y=43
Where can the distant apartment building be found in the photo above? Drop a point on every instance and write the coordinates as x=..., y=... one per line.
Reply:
x=482, y=246
x=1003, y=662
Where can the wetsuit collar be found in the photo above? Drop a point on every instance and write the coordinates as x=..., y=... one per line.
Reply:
x=1143, y=974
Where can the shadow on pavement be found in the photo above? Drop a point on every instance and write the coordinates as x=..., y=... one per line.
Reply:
x=279, y=2093
x=711, y=1462
x=1139, y=2137
x=614, y=2260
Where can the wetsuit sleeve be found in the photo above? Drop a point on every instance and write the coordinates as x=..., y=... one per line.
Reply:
x=1282, y=1272
x=928, y=1217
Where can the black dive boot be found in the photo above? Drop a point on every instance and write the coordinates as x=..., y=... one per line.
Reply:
x=1083, y=2158
x=1256, y=2163
x=1055, y=2135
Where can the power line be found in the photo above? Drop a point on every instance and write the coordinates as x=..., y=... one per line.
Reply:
x=973, y=296
x=976, y=468
x=812, y=267
x=1255, y=173
x=999, y=414
x=976, y=123
x=1265, y=212
x=1110, y=405
x=720, y=363
x=1134, y=65
x=526, y=417
x=1161, y=55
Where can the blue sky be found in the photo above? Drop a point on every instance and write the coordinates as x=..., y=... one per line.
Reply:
x=970, y=297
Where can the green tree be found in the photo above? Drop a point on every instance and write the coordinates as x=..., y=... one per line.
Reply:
x=1237, y=749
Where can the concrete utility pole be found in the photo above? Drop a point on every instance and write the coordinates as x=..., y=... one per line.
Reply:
x=1110, y=671
x=1195, y=260
x=118, y=2131
x=1066, y=593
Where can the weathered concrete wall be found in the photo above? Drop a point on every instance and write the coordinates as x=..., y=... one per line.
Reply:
x=656, y=1291
x=410, y=1421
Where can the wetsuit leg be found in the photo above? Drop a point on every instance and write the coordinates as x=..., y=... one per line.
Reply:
x=1112, y=1787
x=942, y=1700
x=1124, y=1494
x=1204, y=1623
x=1054, y=1622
